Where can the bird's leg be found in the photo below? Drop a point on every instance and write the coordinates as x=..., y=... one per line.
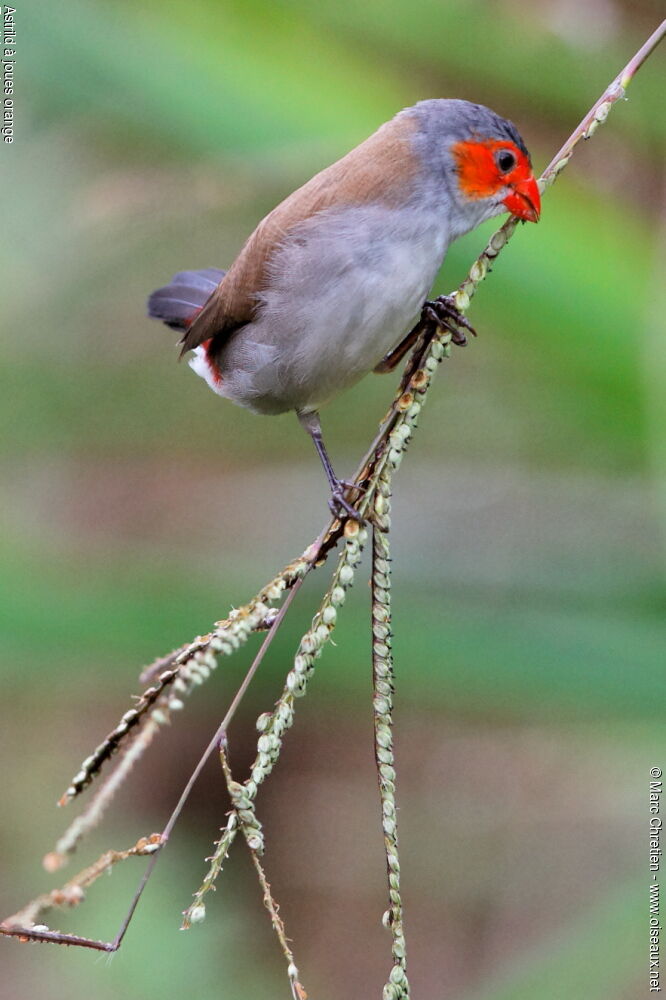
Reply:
x=338, y=503
x=444, y=312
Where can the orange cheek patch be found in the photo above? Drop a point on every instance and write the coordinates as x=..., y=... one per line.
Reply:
x=478, y=174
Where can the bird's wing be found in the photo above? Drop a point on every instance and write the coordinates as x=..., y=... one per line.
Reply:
x=381, y=169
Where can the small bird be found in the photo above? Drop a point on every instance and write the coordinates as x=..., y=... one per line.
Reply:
x=328, y=284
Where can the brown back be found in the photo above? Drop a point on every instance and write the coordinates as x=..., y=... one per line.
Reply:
x=379, y=169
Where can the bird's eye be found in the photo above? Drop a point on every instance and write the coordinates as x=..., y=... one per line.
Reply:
x=506, y=161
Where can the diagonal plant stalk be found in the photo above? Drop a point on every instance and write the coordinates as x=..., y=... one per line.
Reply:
x=192, y=665
x=176, y=675
x=96, y=808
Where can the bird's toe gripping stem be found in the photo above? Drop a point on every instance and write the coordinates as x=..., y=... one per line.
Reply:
x=444, y=312
x=340, y=506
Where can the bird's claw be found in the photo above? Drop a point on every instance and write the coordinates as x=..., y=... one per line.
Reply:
x=444, y=312
x=340, y=506
x=350, y=484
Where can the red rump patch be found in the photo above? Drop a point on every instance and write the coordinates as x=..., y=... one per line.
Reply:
x=478, y=173
x=214, y=370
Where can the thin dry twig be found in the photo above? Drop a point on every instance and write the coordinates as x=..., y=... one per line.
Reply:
x=249, y=824
x=72, y=894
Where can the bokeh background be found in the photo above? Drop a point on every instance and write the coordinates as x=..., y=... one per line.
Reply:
x=528, y=546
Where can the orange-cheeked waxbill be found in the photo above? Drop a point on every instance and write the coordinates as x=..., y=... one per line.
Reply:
x=332, y=279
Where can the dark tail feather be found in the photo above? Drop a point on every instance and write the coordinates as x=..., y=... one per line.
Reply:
x=184, y=297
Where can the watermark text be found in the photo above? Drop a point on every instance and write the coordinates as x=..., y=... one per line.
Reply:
x=7, y=64
x=654, y=864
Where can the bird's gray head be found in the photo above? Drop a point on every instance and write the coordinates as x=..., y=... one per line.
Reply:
x=478, y=157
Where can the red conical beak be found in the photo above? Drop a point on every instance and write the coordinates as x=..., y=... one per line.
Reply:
x=524, y=200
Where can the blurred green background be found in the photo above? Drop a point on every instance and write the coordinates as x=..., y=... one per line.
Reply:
x=528, y=516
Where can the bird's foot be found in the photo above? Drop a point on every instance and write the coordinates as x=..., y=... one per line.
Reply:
x=444, y=312
x=351, y=484
x=340, y=506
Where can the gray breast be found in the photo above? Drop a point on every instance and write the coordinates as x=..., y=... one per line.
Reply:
x=343, y=289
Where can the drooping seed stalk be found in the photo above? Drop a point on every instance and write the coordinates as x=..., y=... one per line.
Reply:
x=397, y=987
x=249, y=824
